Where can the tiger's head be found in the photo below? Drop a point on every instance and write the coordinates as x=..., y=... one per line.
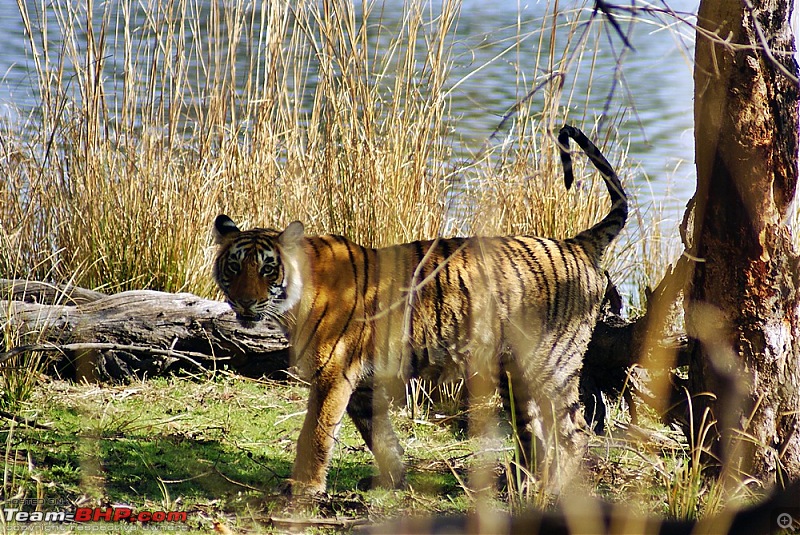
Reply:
x=258, y=269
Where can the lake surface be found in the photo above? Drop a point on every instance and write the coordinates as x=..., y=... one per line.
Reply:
x=650, y=86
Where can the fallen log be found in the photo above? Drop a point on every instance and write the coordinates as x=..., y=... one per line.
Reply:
x=135, y=334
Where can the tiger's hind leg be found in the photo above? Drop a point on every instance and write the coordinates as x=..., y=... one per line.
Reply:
x=550, y=428
x=369, y=410
x=521, y=406
x=572, y=431
x=566, y=432
x=524, y=415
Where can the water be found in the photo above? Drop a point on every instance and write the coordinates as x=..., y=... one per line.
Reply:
x=650, y=86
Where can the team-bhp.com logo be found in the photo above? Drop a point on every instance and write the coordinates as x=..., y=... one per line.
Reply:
x=95, y=514
x=124, y=514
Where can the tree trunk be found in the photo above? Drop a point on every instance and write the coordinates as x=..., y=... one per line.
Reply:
x=744, y=299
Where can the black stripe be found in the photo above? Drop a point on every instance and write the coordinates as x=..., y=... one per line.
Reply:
x=313, y=307
x=322, y=365
x=314, y=246
x=584, y=296
x=355, y=351
x=420, y=253
x=572, y=409
x=500, y=294
x=365, y=267
x=466, y=300
x=369, y=309
x=458, y=301
x=350, y=256
x=569, y=288
x=567, y=438
x=573, y=376
x=561, y=349
x=444, y=251
x=347, y=379
x=302, y=350
x=566, y=294
x=324, y=240
x=445, y=248
x=568, y=351
x=535, y=267
x=552, y=299
x=438, y=303
x=513, y=258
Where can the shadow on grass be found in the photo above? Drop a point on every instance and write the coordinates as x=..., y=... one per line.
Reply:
x=183, y=447
x=160, y=468
x=140, y=467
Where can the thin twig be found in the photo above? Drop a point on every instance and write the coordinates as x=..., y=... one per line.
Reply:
x=188, y=356
x=25, y=421
x=237, y=483
x=295, y=523
x=517, y=105
x=606, y=9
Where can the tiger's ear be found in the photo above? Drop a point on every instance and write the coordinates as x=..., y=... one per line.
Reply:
x=223, y=228
x=293, y=234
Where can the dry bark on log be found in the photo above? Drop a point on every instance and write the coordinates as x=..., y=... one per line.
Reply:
x=46, y=293
x=137, y=333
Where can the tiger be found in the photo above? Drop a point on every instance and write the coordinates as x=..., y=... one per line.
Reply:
x=519, y=310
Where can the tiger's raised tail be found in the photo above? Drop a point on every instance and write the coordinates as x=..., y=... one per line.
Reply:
x=604, y=232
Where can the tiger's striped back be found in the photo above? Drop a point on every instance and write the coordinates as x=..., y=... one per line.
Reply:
x=517, y=310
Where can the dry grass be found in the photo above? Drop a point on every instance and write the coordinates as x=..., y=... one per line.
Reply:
x=124, y=181
x=151, y=125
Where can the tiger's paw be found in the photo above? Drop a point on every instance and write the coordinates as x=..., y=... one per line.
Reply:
x=298, y=489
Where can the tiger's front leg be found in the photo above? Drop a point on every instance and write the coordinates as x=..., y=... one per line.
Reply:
x=369, y=410
x=326, y=408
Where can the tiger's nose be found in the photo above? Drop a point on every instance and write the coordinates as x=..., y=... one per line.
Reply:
x=248, y=316
x=245, y=303
x=244, y=309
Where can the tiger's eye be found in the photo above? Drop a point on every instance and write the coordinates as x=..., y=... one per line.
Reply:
x=232, y=268
x=268, y=270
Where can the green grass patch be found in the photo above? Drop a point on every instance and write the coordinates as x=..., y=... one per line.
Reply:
x=221, y=448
